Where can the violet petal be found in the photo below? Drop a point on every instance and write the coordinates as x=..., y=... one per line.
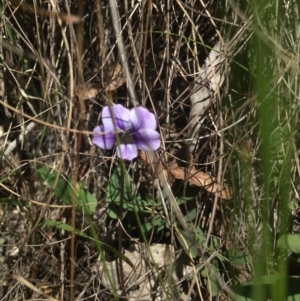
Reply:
x=115, y=116
x=127, y=151
x=102, y=139
x=141, y=118
x=147, y=140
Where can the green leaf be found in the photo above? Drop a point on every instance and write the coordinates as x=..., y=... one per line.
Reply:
x=63, y=189
x=113, y=191
x=111, y=213
x=87, y=200
x=214, y=244
x=63, y=226
x=267, y=285
x=188, y=243
x=200, y=236
x=161, y=228
x=147, y=227
x=66, y=190
x=237, y=257
x=191, y=215
x=137, y=204
x=158, y=222
x=290, y=242
x=264, y=279
x=293, y=288
x=183, y=200
x=204, y=272
x=214, y=273
x=295, y=297
x=132, y=200
x=258, y=285
x=9, y=201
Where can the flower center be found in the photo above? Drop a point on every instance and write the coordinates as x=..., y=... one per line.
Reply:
x=126, y=138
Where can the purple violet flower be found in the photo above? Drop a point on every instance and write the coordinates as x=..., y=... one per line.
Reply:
x=135, y=129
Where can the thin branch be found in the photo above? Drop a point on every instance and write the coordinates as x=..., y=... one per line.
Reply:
x=118, y=32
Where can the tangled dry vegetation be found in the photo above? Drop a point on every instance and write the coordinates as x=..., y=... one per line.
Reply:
x=194, y=64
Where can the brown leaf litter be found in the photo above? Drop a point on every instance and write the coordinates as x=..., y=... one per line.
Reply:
x=194, y=178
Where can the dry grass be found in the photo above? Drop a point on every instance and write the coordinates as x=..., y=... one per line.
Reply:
x=57, y=73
